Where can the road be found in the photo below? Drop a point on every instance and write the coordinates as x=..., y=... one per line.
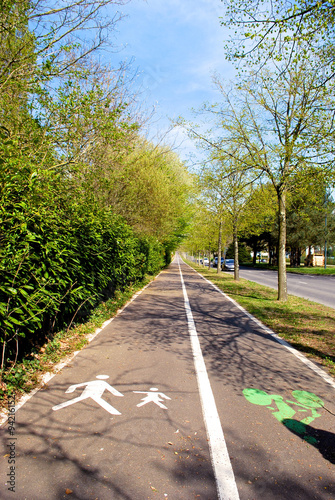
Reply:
x=317, y=288
x=182, y=396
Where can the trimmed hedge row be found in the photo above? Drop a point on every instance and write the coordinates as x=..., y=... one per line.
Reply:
x=56, y=263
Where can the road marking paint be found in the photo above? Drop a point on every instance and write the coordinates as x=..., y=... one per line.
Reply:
x=284, y=413
x=281, y=341
x=153, y=397
x=224, y=475
x=92, y=390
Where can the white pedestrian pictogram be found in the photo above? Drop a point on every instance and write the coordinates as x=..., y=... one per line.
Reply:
x=93, y=390
x=153, y=397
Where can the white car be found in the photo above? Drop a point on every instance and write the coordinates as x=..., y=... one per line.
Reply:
x=206, y=261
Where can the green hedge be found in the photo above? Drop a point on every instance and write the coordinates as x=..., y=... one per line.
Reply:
x=58, y=260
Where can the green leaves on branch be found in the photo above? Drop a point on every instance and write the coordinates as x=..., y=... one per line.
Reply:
x=87, y=207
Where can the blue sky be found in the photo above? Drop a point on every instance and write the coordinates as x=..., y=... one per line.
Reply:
x=176, y=45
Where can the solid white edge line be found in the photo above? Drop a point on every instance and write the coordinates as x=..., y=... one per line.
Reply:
x=327, y=378
x=223, y=471
x=57, y=368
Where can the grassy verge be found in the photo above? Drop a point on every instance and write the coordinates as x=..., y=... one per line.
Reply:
x=22, y=377
x=300, y=270
x=307, y=326
x=312, y=270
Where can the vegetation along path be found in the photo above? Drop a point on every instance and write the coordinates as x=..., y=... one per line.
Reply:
x=182, y=395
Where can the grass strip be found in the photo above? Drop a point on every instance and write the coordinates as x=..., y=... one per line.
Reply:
x=308, y=326
x=319, y=271
x=24, y=376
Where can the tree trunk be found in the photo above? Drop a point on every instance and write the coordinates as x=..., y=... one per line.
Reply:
x=309, y=258
x=236, y=264
x=282, y=279
x=219, y=248
x=271, y=255
x=295, y=257
x=254, y=249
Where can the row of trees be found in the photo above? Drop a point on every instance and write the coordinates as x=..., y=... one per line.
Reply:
x=87, y=204
x=229, y=213
x=275, y=124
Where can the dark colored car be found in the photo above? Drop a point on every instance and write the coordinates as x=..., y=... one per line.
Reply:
x=215, y=264
x=229, y=264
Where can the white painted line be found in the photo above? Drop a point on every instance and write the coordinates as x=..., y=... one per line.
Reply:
x=223, y=471
x=327, y=378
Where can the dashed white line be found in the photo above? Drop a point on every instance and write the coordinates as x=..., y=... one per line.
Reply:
x=223, y=471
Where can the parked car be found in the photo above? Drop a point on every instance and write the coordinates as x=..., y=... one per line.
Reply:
x=215, y=264
x=203, y=261
x=229, y=264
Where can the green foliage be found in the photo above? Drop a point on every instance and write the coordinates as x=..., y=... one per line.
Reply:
x=281, y=113
x=265, y=31
x=87, y=208
x=310, y=216
x=153, y=254
x=24, y=375
x=55, y=263
x=149, y=188
x=243, y=253
x=61, y=252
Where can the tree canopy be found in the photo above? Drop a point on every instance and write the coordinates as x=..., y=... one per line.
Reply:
x=87, y=205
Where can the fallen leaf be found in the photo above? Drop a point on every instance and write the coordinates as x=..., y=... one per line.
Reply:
x=68, y=491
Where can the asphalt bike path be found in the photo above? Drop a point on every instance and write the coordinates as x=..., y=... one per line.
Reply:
x=181, y=396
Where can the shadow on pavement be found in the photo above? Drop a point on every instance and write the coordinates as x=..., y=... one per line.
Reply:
x=324, y=441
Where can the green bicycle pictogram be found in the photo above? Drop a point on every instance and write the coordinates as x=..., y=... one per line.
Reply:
x=304, y=401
